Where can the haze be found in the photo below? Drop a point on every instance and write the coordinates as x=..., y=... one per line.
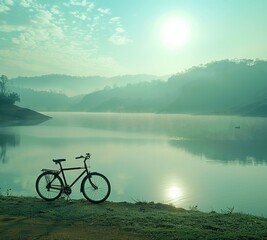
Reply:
x=108, y=38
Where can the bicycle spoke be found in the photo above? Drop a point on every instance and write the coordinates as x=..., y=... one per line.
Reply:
x=96, y=188
x=49, y=186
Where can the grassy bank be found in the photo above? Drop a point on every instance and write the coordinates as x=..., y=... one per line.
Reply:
x=32, y=218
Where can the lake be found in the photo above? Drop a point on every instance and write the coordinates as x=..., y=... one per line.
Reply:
x=212, y=162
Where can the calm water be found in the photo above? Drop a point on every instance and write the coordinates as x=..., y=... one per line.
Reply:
x=211, y=162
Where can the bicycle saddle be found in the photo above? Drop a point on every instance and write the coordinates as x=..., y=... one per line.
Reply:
x=58, y=160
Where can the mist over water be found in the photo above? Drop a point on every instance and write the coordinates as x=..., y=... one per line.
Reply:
x=213, y=162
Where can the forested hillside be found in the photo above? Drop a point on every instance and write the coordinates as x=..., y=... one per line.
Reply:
x=45, y=101
x=62, y=92
x=75, y=85
x=223, y=87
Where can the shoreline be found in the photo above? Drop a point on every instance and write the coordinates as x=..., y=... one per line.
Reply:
x=33, y=218
x=12, y=115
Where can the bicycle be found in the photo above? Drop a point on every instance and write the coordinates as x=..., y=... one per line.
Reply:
x=95, y=187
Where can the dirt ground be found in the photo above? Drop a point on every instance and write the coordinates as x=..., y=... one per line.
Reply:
x=38, y=228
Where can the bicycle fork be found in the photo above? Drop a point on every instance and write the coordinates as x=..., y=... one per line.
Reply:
x=90, y=181
x=93, y=185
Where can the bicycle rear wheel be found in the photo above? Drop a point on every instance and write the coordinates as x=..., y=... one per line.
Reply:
x=49, y=186
x=96, y=187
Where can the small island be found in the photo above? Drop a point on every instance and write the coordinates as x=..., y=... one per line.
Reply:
x=12, y=115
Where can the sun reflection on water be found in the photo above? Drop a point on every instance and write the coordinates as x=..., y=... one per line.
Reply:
x=174, y=194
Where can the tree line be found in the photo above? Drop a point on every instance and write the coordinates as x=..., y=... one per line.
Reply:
x=6, y=97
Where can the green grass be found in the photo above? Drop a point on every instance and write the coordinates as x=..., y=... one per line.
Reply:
x=146, y=220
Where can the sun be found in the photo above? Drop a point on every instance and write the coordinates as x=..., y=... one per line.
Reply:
x=174, y=32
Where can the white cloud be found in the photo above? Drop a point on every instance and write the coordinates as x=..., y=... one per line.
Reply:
x=119, y=36
x=55, y=10
x=11, y=28
x=82, y=17
x=42, y=17
x=91, y=6
x=104, y=10
x=78, y=3
x=47, y=30
x=44, y=20
x=96, y=18
x=118, y=39
x=3, y=8
x=26, y=3
x=25, y=39
x=120, y=30
x=9, y=2
x=78, y=15
x=42, y=29
x=114, y=20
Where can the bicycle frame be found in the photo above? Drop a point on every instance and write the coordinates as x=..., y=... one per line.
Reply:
x=69, y=169
x=61, y=171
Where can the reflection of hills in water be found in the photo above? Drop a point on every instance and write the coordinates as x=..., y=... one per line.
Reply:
x=241, y=151
x=224, y=138
x=7, y=140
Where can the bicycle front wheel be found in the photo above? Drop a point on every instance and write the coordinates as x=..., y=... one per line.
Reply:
x=96, y=187
x=49, y=186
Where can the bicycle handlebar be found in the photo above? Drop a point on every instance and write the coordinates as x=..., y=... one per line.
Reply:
x=87, y=156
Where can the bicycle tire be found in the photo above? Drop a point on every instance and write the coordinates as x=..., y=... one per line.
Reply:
x=96, y=187
x=49, y=186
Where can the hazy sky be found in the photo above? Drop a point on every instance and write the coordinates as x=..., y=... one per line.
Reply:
x=114, y=37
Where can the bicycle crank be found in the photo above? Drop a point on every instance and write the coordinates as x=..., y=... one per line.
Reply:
x=67, y=190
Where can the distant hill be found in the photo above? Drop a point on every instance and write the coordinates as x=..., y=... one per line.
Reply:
x=62, y=92
x=44, y=100
x=74, y=85
x=223, y=87
x=142, y=97
x=13, y=115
